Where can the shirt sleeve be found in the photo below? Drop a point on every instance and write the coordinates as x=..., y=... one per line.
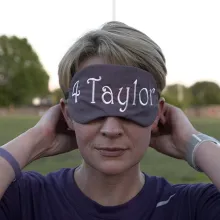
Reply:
x=10, y=203
x=19, y=198
x=207, y=202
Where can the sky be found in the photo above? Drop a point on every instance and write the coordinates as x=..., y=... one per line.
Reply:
x=188, y=31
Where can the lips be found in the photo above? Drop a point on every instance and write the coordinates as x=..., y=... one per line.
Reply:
x=111, y=152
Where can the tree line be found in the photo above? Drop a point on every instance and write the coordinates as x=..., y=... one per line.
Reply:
x=202, y=93
x=23, y=77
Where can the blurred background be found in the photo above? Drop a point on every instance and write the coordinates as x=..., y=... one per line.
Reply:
x=34, y=35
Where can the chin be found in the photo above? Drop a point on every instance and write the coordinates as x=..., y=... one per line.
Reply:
x=112, y=167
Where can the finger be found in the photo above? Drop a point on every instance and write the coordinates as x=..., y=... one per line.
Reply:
x=157, y=142
x=162, y=119
x=53, y=112
x=165, y=146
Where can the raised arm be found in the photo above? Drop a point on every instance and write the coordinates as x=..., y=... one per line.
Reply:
x=175, y=136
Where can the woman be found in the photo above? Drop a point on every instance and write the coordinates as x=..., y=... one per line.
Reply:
x=112, y=79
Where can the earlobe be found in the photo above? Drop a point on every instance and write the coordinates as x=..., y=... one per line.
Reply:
x=63, y=107
x=161, y=104
x=64, y=110
x=155, y=128
x=155, y=125
x=161, y=107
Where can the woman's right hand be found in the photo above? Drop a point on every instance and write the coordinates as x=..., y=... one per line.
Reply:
x=57, y=137
x=50, y=136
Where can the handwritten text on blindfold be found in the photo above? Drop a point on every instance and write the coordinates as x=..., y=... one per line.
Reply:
x=144, y=93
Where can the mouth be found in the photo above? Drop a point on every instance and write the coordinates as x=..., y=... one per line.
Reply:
x=111, y=152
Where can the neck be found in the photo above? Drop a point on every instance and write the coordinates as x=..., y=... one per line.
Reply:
x=109, y=190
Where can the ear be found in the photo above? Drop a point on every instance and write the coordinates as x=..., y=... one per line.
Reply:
x=160, y=113
x=64, y=109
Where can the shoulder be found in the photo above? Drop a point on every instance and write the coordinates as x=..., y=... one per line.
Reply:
x=196, y=189
x=34, y=185
x=32, y=191
x=203, y=199
x=200, y=199
x=34, y=180
x=197, y=193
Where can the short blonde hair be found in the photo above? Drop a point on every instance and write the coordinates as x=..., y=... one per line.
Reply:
x=119, y=44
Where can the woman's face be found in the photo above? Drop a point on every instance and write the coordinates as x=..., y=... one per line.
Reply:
x=110, y=145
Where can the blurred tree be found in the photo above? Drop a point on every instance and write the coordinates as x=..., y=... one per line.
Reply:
x=205, y=93
x=22, y=76
x=57, y=94
x=171, y=95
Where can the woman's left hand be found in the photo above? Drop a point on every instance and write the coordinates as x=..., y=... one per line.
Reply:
x=172, y=133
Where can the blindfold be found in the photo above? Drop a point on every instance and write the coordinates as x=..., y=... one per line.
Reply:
x=127, y=92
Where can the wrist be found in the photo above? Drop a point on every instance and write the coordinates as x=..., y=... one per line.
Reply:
x=27, y=147
x=184, y=142
x=205, y=153
x=39, y=142
x=199, y=143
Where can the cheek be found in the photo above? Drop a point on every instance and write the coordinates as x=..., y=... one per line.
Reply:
x=141, y=139
x=85, y=135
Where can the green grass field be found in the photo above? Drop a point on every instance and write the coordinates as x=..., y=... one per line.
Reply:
x=153, y=163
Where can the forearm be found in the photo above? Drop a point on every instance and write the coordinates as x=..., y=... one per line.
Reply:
x=25, y=148
x=207, y=158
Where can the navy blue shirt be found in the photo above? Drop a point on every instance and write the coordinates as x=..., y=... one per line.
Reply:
x=56, y=196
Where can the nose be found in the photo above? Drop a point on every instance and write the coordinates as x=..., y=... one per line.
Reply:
x=112, y=127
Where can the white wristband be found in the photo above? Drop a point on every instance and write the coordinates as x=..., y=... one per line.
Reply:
x=192, y=146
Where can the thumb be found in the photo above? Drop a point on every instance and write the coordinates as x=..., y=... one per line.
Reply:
x=164, y=144
x=158, y=142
